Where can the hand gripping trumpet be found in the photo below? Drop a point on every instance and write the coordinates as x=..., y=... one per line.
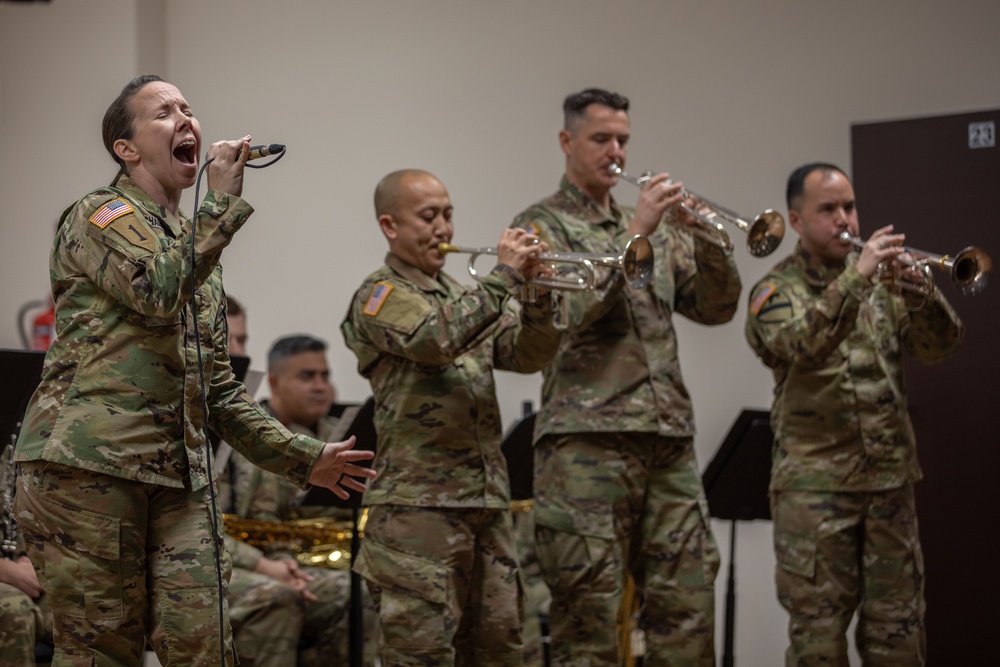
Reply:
x=764, y=232
x=969, y=270
x=635, y=262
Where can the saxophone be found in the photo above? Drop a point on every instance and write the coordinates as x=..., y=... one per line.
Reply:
x=318, y=542
x=7, y=481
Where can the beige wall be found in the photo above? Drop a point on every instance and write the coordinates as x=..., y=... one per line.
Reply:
x=729, y=96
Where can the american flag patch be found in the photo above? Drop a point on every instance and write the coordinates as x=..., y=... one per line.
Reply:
x=762, y=297
x=115, y=208
x=378, y=296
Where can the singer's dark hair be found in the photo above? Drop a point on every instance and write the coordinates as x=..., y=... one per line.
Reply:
x=797, y=181
x=118, y=118
x=575, y=105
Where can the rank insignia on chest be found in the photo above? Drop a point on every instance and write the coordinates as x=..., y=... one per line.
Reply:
x=378, y=296
x=114, y=209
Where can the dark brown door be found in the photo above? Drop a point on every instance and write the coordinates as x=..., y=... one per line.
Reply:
x=938, y=181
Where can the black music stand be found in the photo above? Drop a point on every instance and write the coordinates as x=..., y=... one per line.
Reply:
x=362, y=427
x=518, y=448
x=22, y=371
x=736, y=485
x=520, y=454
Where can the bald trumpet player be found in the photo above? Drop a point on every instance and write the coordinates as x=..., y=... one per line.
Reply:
x=439, y=554
x=845, y=461
x=617, y=489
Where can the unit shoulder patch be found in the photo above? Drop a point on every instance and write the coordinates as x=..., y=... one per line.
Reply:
x=769, y=305
x=136, y=231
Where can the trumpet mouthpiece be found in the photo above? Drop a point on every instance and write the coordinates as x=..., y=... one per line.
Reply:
x=444, y=248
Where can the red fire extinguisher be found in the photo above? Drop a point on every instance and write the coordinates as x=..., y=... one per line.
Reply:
x=43, y=329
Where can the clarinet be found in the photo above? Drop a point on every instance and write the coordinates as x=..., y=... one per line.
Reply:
x=7, y=480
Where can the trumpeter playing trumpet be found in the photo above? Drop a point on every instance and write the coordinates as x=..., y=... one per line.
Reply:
x=439, y=553
x=617, y=488
x=845, y=529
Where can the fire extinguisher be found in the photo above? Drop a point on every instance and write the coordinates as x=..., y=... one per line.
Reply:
x=43, y=326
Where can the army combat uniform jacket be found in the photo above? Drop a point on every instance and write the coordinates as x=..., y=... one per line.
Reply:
x=835, y=342
x=120, y=391
x=429, y=346
x=617, y=368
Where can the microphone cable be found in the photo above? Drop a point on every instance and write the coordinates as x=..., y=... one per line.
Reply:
x=216, y=538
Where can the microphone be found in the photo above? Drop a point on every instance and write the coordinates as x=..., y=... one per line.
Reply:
x=257, y=152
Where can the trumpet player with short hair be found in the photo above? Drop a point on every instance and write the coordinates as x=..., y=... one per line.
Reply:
x=845, y=462
x=439, y=553
x=617, y=488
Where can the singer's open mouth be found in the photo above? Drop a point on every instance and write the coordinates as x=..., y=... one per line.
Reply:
x=186, y=152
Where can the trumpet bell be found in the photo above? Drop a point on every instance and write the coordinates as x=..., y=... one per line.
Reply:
x=970, y=272
x=637, y=262
x=765, y=233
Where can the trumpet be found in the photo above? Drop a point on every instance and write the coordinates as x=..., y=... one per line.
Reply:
x=969, y=270
x=635, y=262
x=764, y=232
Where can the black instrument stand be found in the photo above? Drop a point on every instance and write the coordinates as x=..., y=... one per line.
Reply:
x=736, y=484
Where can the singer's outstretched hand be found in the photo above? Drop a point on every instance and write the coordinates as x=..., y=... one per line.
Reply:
x=336, y=471
x=225, y=174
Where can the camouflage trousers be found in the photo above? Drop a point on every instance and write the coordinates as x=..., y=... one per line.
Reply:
x=607, y=503
x=122, y=562
x=536, y=593
x=445, y=584
x=23, y=622
x=267, y=618
x=841, y=553
x=274, y=626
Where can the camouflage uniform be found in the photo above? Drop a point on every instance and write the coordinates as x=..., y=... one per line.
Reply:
x=439, y=551
x=616, y=482
x=113, y=497
x=23, y=620
x=845, y=461
x=260, y=495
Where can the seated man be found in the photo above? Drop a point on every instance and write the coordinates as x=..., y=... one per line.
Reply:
x=301, y=398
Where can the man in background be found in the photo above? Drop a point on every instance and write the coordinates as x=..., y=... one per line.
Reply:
x=301, y=398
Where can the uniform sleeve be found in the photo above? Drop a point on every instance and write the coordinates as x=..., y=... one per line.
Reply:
x=528, y=340
x=243, y=555
x=934, y=330
x=111, y=242
x=578, y=309
x=389, y=317
x=709, y=287
x=782, y=328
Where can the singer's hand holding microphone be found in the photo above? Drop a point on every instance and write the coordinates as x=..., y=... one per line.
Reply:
x=228, y=160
